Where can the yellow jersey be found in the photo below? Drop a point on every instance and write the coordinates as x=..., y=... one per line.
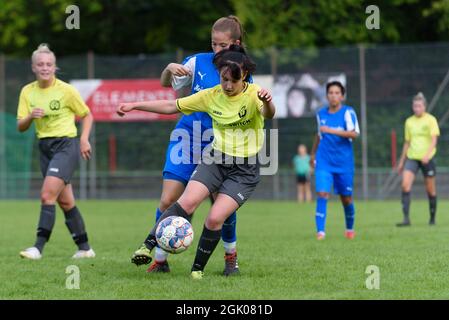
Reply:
x=61, y=103
x=419, y=132
x=237, y=120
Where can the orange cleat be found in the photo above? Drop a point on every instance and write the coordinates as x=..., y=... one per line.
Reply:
x=320, y=235
x=349, y=234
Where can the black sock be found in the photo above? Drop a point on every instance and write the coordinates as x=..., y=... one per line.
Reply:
x=406, y=204
x=432, y=206
x=174, y=210
x=75, y=224
x=206, y=246
x=45, y=226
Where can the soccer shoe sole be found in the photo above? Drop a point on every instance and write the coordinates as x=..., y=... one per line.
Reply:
x=139, y=260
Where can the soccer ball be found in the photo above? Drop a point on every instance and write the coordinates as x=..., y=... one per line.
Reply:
x=174, y=234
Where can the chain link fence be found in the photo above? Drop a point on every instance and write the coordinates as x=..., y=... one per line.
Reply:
x=388, y=75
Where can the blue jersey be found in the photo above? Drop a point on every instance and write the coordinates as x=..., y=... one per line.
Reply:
x=335, y=153
x=204, y=76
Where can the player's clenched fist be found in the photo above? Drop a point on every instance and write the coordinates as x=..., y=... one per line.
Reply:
x=264, y=95
x=123, y=108
x=37, y=113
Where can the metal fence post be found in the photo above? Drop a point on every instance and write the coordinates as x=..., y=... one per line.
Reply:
x=3, y=165
x=276, y=178
x=362, y=69
x=93, y=140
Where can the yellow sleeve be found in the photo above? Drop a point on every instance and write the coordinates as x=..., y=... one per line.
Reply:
x=434, y=129
x=407, y=131
x=77, y=103
x=194, y=103
x=22, y=110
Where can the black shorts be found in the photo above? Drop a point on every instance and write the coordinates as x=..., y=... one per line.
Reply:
x=235, y=177
x=428, y=170
x=302, y=178
x=59, y=157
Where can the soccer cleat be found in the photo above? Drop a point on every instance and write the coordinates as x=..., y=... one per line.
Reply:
x=405, y=223
x=157, y=266
x=320, y=235
x=197, y=275
x=32, y=253
x=231, y=265
x=141, y=256
x=81, y=254
x=349, y=234
x=431, y=222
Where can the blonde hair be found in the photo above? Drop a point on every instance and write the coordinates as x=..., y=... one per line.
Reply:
x=420, y=97
x=230, y=24
x=42, y=48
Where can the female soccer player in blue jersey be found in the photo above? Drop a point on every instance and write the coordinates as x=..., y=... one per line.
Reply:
x=196, y=73
x=333, y=157
x=231, y=167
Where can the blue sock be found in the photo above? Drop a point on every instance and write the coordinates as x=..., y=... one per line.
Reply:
x=158, y=214
x=349, y=216
x=320, y=215
x=228, y=233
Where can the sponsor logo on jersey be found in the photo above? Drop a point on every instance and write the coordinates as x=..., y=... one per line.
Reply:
x=55, y=105
x=242, y=112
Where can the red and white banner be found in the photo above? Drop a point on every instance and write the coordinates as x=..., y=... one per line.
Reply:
x=103, y=97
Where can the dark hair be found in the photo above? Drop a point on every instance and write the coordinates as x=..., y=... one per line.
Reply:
x=236, y=60
x=335, y=83
x=230, y=24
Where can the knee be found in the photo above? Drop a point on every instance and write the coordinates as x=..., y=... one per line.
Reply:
x=166, y=201
x=346, y=201
x=214, y=223
x=188, y=205
x=406, y=187
x=324, y=195
x=66, y=205
x=48, y=197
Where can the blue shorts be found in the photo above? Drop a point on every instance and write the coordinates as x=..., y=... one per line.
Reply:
x=342, y=182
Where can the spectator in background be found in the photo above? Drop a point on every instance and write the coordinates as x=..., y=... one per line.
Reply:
x=301, y=162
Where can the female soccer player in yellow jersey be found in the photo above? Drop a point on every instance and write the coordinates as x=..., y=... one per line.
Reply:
x=421, y=135
x=52, y=105
x=237, y=109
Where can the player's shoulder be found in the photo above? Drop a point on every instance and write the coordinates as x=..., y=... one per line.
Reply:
x=323, y=110
x=252, y=87
x=29, y=86
x=410, y=119
x=199, y=56
x=430, y=117
x=347, y=108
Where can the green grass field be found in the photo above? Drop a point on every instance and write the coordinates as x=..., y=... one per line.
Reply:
x=279, y=257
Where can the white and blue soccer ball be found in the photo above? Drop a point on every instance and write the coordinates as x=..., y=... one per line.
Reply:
x=174, y=234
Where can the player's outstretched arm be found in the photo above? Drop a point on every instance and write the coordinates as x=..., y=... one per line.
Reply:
x=268, y=109
x=341, y=133
x=156, y=106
